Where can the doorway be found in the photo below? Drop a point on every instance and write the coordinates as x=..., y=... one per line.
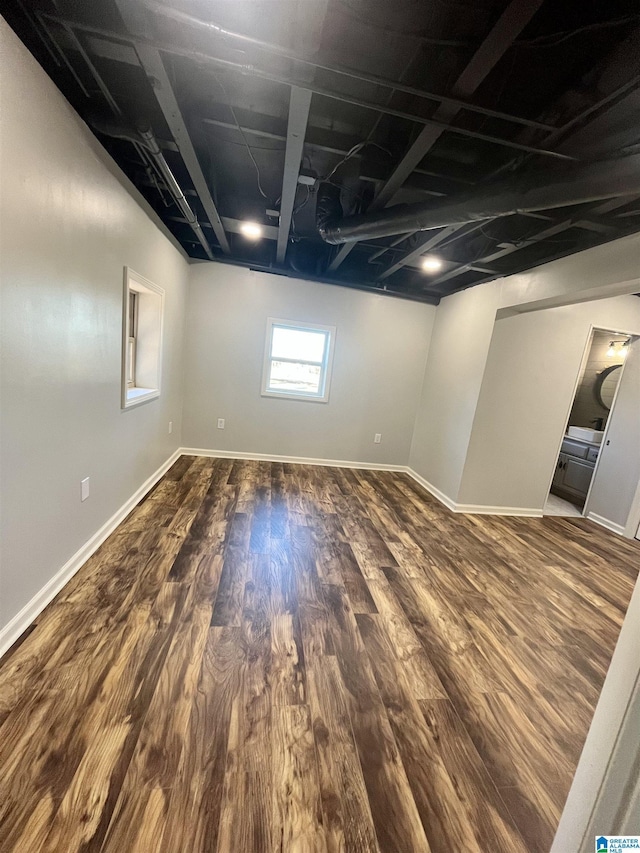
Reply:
x=586, y=427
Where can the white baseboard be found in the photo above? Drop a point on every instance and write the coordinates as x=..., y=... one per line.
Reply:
x=444, y=499
x=472, y=509
x=369, y=466
x=21, y=621
x=300, y=460
x=478, y=509
x=605, y=522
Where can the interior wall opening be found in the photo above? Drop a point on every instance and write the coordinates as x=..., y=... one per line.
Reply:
x=590, y=412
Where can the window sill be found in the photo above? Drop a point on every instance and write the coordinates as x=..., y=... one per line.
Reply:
x=289, y=395
x=137, y=396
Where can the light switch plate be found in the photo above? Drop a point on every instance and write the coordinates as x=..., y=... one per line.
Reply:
x=84, y=489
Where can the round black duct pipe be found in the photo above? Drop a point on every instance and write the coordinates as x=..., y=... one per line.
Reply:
x=544, y=190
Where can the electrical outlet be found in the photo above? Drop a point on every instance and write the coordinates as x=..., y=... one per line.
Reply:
x=170, y=427
x=220, y=423
x=84, y=489
x=377, y=438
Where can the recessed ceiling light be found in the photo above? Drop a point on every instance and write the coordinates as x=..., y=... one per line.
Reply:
x=251, y=230
x=431, y=264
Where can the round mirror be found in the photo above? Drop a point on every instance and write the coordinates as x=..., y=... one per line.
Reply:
x=606, y=384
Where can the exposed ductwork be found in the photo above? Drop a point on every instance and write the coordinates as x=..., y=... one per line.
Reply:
x=150, y=143
x=544, y=190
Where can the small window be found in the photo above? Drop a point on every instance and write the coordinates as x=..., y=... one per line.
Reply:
x=143, y=307
x=297, y=361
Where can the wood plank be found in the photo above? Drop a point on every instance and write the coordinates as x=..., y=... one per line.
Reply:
x=396, y=818
x=345, y=804
x=229, y=601
x=297, y=822
x=193, y=813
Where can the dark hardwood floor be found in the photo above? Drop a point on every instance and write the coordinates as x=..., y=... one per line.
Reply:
x=275, y=657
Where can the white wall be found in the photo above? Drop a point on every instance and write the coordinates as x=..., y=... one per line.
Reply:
x=526, y=395
x=70, y=221
x=449, y=395
x=612, y=269
x=380, y=351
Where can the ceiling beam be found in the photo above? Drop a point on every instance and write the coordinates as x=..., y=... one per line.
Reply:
x=458, y=232
x=505, y=31
x=426, y=242
x=308, y=20
x=269, y=232
x=540, y=236
x=299, y=104
x=307, y=26
x=207, y=59
x=369, y=171
x=153, y=66
x=598, y=80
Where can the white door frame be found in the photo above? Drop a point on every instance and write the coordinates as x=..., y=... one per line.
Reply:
x=603, y=444
x=583, y=363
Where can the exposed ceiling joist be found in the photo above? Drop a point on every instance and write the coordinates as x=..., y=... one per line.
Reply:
x=344, y=250
x=587, y=224
x=308, y=22
x=368, y=172
x=544, y=234
x=571, y=80
x=151, y=61
x=207, y=59
x=309, y=17
x=429, y=241
x=425, y=242
x=153, y=65
x=234, y=226
x=299, y=104
x=507, y=28
x=578, y=126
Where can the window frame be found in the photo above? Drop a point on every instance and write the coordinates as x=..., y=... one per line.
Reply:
x=143, y=343
x=326, y=365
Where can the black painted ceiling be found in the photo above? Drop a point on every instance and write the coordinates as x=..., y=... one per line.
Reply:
x=547, y=77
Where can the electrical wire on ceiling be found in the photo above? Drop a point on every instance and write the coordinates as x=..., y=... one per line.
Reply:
x=553, y=39
x=224, y=140
x=547, y=40
x=351, y=153
x=438, y=42
x=241, y=132
x=489, y=236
